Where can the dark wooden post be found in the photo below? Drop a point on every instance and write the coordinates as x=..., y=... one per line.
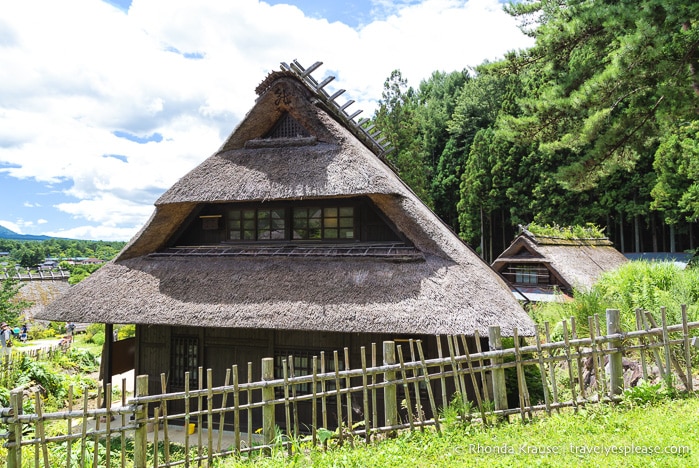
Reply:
x=499, y=390
x=616, y=369
x=107, y=353
x=390, y=395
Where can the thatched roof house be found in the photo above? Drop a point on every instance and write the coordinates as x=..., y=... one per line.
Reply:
x=396, y=269
x=536, y=266
x=294, y=237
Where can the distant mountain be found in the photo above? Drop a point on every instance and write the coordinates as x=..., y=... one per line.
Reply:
x=7, y=234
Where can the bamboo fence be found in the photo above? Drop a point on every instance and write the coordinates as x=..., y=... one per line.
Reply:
x=142, y=432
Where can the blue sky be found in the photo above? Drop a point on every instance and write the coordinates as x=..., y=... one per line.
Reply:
x=98, y=118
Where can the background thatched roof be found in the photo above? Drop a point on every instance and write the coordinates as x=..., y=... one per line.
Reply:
x=578, y=262
x=451, y=291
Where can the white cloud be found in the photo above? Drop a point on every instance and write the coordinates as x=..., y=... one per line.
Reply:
x=69, y=84
x=11, y=225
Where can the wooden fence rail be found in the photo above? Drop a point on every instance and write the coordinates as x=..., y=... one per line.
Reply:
x=349, y=404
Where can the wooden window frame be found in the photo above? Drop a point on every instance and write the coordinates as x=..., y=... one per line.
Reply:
x=184, y=357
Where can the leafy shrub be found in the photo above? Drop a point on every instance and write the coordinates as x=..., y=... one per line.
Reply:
x=127, y=331
x=588, y=231
x=92, y=330
x=635, y=285
x=97, y=338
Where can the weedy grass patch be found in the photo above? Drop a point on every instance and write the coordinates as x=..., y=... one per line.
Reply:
x=655, y=434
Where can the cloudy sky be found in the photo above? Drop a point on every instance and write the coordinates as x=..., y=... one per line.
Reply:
x=105, y=104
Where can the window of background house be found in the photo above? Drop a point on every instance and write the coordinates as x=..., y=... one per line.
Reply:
x=526, y=274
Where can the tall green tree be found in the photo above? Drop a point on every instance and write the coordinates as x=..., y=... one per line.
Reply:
x=614, y=72
x=11, y=307
x=396, y=119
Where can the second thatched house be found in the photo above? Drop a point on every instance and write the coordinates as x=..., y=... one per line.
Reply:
x=294, y=238
x=546, y=268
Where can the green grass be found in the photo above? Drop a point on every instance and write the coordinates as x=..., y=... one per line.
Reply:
x=557, y=441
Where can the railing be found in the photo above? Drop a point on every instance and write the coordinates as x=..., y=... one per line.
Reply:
x=28, y=274
x=399, y=393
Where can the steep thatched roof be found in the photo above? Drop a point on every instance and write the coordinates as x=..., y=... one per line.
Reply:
x=577, y=263
x=439, y=286
x=40, y=293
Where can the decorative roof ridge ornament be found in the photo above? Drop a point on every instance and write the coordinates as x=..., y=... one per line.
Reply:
x=361, y=128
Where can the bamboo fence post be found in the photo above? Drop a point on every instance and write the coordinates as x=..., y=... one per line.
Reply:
x=458, y=380
x=569, y=362
x=348, y=385
x=647, y=317
x=287, y=407
x=95, y=451
x=365, y=397
x=542, y=370
x=186, y=419
x=642, y=342
x=498, y=373
x=552, y=365
x=156, y=421
x=140, y=440
x=442, y=381
x=209, y=415
x=200, y=387
x=416, y=386
x=123, y=422
x=616, y=369
x=595, y=357
x=459, y=373
x=666, y=370
x=314, y=407
x=108, y=424
x=374, y=405
x=294, y=405
x=222, y=415
x=163, y=407
x=41, y=432
x=323, y=400
x=666, y=344
x=603, y=367
x=484, y=382
x=69, y=429
x=670, y=359
x=338, y=398
x=14, y=441
x=578, y=362
x=390, y=394
x=426, y=377
x=687, y=353
x=83, y=429
x=236, y=411
x=249, y=411
x=474, y=383
x=406, y=389
x=267, y=398
x=521, y=383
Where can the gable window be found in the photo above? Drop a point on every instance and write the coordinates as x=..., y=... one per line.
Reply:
x=325, y=223
x=254, y=224
x=527, y=274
